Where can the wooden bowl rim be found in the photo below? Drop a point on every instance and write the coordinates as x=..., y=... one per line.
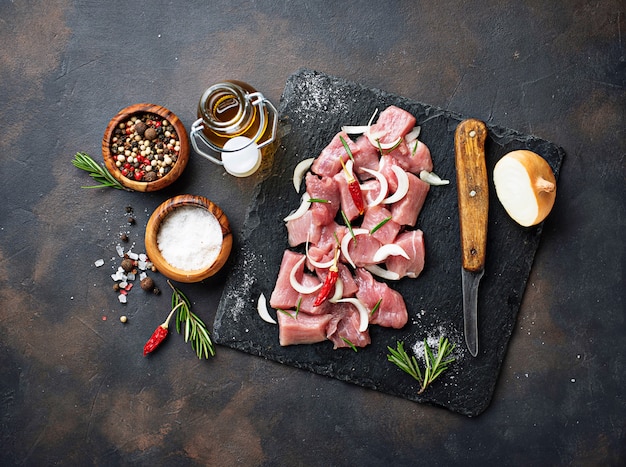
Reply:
x=183, y=156
x=154, y=224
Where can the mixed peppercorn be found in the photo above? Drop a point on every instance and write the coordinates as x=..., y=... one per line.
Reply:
x=145, y=147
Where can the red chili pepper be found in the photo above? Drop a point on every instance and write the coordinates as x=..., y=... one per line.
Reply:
x=327, y=287
x=357, y=195
x=355, y=189
x=329, y=282
x=159, y=334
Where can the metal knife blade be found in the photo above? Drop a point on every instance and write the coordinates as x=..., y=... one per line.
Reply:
x=473, y=198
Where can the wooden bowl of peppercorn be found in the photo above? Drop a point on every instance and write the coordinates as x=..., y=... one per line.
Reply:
x=145, y=147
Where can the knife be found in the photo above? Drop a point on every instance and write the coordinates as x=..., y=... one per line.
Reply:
x=473, y=197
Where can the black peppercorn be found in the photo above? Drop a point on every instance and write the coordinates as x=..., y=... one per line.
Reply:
x=140, y=128
x=131, y=220
x=127, y=265
x=150, y=134
x=147, y=284
x=123, y=237
x=150, y=176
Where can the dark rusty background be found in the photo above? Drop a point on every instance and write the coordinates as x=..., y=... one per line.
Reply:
x=74, y=387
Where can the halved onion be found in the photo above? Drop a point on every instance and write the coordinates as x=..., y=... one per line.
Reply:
x=382, y=272
x=403, y=185
x=384, y=185
x=345, y=241
x=364, y=313
x=338, y=291
x=261, y=307
x=297, y=286
x=300, y=170
x=390, y=249
x=302, y=209
x=432, y=178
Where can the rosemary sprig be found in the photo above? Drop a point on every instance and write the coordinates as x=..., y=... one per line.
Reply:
x=380, y=224
x=347, y=148
x=352, y=346
x=194, y=328
x=435, y=365
x=96, y=171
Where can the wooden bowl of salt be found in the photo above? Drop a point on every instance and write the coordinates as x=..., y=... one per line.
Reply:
x=188, y=238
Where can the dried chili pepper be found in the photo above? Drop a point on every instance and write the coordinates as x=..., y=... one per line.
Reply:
x=329, y=282
x=159, y=334
x=355, y=189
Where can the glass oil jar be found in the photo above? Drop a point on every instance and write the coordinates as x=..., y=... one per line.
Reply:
x=236, y=122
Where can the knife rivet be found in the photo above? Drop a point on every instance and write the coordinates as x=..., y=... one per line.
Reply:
x=472, y=193
x=472, y=134
x=473, y=251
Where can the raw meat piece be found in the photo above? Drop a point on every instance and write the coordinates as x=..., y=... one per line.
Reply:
x=284, y=296
x=406, y=211
x=298, y=230
x=327, y=163
x=392, y=310
x=374, y=216
x=367, y=157
x=392, y=123
x=345, y=324
x=413, y=243
x=323, y=188
x=362, y=249
x=304, y=329
x=414, y=160
x=370, y=190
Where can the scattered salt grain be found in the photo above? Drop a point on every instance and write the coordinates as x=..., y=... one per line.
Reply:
x=190, y=238
x=120, y=250
x=121, y=298
x=142, y=276
x=99, y=263
x=130, y=276
x=132, y=255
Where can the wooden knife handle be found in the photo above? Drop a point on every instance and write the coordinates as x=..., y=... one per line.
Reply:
x=473, y=191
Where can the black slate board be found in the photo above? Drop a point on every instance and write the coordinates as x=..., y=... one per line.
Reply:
x=313, y=108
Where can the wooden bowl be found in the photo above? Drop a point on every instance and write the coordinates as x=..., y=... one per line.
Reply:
x=141, y=109
x=152, y=231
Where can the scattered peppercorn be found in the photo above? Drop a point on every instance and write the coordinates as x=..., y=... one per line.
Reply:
x=123, y=237
x=129, y=209
x=150, y=134
x=131, y=220
x=123, y=319
x=116, y=287
x=156, y=291
x=147, y=284
x=140, y=128
x=127, y=264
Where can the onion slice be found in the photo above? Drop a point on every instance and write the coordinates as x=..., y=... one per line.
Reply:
x=382, y=272
x=355, y=129
x=300, y=170
x=375, y=141
x=364, y=313
x=302, y=209
x=413, y=134
x=403, y=185
x=390, y=249
x=384, y=185
x=297, y=286
x=432, y=178
x=338, y=291
x=261, y=307
x=345, y=241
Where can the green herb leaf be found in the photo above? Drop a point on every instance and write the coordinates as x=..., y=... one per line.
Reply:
x=100, y=174
x=377, y=306
x=434, y=365
x=347, y=222
x=318, y=200
x=347, y=148
x=195, y=331
x=347, y=341
x=380, y=224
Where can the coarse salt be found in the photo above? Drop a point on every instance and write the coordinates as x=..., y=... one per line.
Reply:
x=190, y=238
